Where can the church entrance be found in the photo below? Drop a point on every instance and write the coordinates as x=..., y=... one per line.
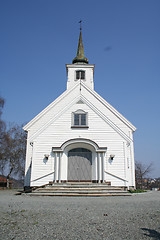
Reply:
x=80, y=165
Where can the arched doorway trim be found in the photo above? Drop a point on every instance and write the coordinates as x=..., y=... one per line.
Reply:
x=79, y=142
x=98, y=154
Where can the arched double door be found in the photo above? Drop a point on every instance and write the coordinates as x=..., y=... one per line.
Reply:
x=80, y=165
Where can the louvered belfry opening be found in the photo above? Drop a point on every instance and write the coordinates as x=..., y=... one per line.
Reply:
x=80, y=165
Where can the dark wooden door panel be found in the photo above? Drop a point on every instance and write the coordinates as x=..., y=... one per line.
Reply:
x=79, y=165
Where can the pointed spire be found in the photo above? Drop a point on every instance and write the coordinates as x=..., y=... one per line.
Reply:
x=80, y=58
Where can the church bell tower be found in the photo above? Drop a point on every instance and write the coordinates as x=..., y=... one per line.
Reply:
x=80, y=70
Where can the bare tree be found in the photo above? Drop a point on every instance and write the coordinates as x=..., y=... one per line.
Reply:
x=142, y=171
x=14, y=147
x=1, y=105
x=2, y=134
x=2, y=123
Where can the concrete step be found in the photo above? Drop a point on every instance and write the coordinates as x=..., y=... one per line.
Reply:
x=83, y=186
x=79, y=189
x=79, y=194
x=81, y=183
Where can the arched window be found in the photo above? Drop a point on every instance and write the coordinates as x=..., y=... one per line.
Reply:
x=79, y=118
x=80, y=74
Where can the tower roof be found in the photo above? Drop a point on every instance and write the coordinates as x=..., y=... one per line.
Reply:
x=80, y=58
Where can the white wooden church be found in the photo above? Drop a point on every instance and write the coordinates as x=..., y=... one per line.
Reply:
x=80, y=137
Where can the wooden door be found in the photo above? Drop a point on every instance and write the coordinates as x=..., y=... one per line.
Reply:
x=79, y=165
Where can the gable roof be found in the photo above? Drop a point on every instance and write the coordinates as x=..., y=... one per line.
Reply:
x=51, y=105
x=111, y=108
x=80, y=97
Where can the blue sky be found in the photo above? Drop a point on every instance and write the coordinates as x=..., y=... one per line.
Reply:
x=122, y=39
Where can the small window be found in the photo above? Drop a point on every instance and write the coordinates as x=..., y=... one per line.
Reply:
x=79, y=119
x=80, y=75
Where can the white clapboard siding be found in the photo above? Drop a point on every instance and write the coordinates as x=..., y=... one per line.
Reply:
x=56, y=108
x=102, y=108
x=60, y=131
x=52, y=110
x=107, y=128
x=71, y=76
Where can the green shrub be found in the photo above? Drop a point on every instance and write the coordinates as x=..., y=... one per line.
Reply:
x=137, y=191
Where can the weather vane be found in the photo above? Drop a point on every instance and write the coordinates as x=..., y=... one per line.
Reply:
x=80, y=24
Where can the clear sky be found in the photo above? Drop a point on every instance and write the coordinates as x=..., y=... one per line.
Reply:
x=122, y=39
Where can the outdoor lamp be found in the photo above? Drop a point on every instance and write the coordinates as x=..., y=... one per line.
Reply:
x=112, y=156
x=46, y=156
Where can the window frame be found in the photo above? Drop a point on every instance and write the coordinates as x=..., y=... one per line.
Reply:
x=80, y=112
x=80, y=71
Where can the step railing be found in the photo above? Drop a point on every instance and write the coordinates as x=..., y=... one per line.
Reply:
x=42, y=177
x=116, y=176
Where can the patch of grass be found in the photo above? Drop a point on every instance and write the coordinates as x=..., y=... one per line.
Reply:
x=23, y=210
x=35, y=223
x=137, y=191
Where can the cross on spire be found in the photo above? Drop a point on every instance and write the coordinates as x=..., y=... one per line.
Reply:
x=80, y=58
x=80, y=24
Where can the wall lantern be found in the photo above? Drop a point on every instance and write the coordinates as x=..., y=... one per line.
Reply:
x=46, y=156
x=112, y=156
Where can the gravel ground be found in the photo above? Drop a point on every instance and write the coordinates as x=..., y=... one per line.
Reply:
x=36, y=217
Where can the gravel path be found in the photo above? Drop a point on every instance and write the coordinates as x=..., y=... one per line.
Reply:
x=26, y=217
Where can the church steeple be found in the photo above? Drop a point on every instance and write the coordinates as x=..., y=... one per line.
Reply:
x=80, y=58
x=80, y=70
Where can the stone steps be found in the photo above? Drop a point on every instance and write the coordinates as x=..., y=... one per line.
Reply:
x=78, y=194
x=83, y=185
x=79, y=189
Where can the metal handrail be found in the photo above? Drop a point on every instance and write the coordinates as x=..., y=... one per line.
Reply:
x=42, y=177
x=116, y=176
